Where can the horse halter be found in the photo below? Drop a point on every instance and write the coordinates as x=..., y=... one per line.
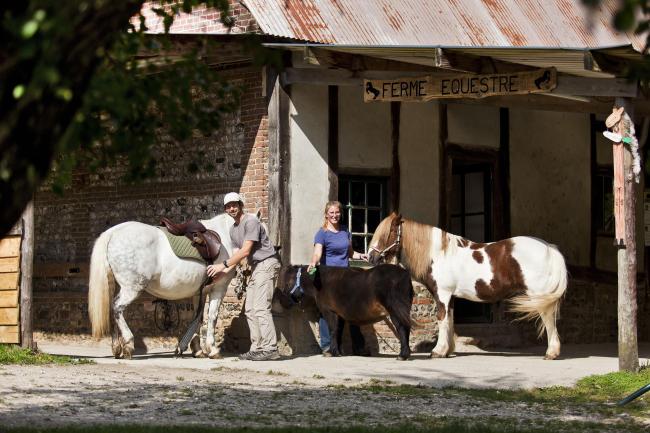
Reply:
x=382, y=253
x=296, y=292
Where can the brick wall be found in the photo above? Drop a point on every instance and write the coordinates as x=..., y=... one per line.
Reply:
x=203, y=20
x=234, y=159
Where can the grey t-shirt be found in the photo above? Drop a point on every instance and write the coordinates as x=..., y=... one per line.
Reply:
x=251, y=229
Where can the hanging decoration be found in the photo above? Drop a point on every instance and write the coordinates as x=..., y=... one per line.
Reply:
x=620, y=130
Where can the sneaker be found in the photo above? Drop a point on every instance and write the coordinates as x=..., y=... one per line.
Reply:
x=249, y=355
x=327, y=354
x=266, y=355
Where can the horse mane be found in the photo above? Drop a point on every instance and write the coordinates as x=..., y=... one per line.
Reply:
x=416, y=248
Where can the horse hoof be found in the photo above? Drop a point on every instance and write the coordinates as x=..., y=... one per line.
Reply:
x=127, y=352
x=199, y=354
x=437, y=355
x=117, y=351
x=215, y=355
x=550, y=357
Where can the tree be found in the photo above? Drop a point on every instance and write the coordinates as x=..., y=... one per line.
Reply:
x=75, y=90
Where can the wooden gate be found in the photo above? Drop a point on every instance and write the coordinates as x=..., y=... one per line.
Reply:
x=10, y=288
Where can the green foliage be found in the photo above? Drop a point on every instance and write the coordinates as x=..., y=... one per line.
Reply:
x=83, y=85
x=10, y=354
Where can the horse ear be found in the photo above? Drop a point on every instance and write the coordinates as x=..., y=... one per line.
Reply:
x=398, y=219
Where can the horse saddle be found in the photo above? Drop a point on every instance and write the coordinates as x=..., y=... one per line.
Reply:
x=207, y=242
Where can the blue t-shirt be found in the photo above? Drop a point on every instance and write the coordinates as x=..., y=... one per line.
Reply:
x=335, y=246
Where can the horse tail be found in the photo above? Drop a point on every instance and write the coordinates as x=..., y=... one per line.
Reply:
x=101, y=287
x=532, y=306
x=403, y=305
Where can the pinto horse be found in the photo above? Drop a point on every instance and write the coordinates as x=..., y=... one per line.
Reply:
x=528, y=271
x=355, y=295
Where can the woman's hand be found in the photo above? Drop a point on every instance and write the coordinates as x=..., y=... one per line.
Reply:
x=359, y=256
x=310, y=267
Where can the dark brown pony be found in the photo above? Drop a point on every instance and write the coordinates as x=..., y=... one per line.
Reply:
x=354, y=295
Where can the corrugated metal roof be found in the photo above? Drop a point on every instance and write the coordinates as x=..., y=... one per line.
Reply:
x=444, y=23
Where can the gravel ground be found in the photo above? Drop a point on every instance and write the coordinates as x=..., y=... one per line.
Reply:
x=124, y=393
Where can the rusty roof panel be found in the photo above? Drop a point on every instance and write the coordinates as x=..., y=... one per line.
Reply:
x=446, y=23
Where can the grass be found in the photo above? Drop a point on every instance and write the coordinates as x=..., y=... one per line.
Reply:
x=601, y=391
x=276, y=373
x=10, y=354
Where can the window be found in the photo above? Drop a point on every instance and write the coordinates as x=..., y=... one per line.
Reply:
x=471, y=201
x=364, y=203
x=604, y=202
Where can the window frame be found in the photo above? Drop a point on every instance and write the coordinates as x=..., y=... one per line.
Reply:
x=345, y=181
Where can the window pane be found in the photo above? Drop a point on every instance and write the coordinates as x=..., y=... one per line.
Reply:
x=374, y=218
x=344, y=216
x=358, y=194
x=358, y=244
x=456, y=194
x=374, y=194
x=475, y=228
x=474, y=192
x=358, y=220
x=344, y=195
x=456, y=226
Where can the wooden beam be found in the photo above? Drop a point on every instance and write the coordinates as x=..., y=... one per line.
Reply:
x=275, y=186
x=539, y=102
x=26, y=272
x=612, y=87
x=395, y=113
x=628, y=350
x=333, y=142
x=566, y=85
x=357, y=62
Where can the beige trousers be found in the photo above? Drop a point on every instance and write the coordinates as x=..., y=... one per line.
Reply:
x=259, y=295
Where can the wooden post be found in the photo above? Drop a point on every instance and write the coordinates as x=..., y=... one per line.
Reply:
x=395, y=110
x=628, y=352
x=26, y=270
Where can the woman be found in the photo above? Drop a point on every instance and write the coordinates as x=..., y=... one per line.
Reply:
x=333, y=247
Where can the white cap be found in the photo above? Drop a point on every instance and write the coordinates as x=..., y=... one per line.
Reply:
x=230, y=197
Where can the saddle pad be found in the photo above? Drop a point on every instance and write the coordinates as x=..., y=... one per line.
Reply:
x=182, y=246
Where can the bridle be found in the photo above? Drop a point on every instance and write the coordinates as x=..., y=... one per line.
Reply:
x=296, y=292
x=396, y=244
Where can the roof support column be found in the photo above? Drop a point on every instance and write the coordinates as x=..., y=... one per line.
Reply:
x=628, y=352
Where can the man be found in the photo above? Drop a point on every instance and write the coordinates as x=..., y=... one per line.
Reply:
x=249, y=239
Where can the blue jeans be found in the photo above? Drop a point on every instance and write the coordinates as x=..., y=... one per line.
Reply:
x=358, y=342
x=324, y=332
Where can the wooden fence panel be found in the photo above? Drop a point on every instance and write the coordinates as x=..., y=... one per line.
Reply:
x=9, y=334
x=9, y=290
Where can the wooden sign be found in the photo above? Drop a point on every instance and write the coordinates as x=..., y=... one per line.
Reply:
x=431, y=87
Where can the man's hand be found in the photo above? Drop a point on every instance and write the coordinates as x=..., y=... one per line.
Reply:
x=213, y=270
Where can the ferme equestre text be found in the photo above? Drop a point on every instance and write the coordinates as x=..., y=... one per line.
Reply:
x=460, y=86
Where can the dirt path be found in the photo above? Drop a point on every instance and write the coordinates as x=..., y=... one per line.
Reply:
x=109, y=394
x=159, y=389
